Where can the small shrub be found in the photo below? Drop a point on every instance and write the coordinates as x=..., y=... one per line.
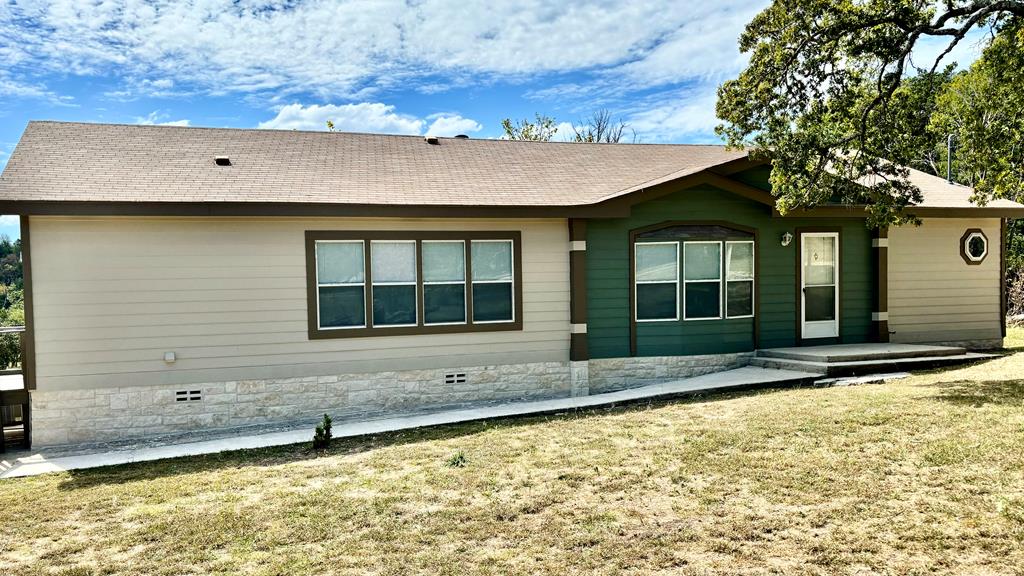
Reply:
x=457, y=460
x=322, y=434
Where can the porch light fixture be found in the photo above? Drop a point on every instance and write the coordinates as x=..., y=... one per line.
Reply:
x=787, y=239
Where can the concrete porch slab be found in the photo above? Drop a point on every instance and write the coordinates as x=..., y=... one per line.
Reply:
x=859, y=352
x=43, y=461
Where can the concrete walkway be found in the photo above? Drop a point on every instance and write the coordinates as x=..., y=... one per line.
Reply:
x=39, y=463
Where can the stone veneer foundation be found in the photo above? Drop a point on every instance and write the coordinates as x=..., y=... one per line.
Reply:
x=611, y=374
x=114, y=414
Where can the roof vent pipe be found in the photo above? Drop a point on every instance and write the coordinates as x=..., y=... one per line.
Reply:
x=222, y=161
x=949, y=158
x=431, y=140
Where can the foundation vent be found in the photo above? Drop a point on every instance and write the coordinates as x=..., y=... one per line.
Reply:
x=455, y=378
x=188, y=395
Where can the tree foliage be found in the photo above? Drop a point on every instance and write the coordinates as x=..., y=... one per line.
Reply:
x=601, y=127
x=832, y=91
x=12, y=300
x=542, y=129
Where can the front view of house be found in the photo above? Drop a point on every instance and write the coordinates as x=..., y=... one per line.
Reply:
x=185, y=279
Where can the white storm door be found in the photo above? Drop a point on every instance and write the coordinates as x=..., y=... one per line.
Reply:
x=819, y=285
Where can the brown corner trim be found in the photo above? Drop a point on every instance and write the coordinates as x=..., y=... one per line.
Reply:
x=28, y=357
x=578, y=289
x=1003, y=304
x=963, y=246
x=316, y=333
x=881, y=254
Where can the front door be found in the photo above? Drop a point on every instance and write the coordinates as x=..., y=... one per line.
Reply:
x=819, y=285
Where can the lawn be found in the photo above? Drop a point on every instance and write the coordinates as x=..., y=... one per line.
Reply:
x=923, y=475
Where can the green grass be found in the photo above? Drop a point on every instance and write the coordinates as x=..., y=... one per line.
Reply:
x=919, y=476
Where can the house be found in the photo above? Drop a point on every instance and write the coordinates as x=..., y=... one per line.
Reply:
x=194, y=278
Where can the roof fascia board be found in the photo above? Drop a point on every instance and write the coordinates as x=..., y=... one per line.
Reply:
x=295, y=209
x=860, y=211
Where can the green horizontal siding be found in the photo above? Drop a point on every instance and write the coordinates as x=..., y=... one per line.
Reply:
x=608, y=278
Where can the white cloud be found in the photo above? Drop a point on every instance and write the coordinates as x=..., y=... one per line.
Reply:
x=159, y=119
x=362, y=117
x=686, y=115
x=705, y=47
x=343, y=50
x=11, y=86
x=564, y=131
x=451, y=125
x=9, y=220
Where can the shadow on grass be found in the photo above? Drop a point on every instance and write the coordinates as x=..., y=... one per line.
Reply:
x=274, y=456
x=979, y=393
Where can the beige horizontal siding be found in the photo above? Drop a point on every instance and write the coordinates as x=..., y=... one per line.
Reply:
x=934, y=296
x=228, y=297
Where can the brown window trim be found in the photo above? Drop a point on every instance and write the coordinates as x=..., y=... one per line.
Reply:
x=635, y=236
x=963, y=246
x=316, y=333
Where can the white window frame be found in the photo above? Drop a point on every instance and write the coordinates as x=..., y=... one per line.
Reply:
x=366, y=305
x=511, y=282
x=753, y=278
x=967, y=247
x=721, y=297
x=637, y=282
x=414, y=284
x=467, y=254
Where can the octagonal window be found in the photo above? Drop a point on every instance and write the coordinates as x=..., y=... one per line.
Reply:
x=974, y=246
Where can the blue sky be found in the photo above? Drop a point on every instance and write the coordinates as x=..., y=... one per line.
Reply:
x=413, y=66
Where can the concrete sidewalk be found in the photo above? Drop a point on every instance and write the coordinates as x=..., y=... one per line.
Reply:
x=37, y=462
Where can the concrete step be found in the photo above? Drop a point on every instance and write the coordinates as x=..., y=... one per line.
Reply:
x=860, y=352
x=861, y=367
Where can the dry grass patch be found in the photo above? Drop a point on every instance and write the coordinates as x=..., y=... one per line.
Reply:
x=924, y=475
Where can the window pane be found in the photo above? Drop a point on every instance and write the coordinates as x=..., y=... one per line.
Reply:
x=342, y=306
x=444, y=303
x=740, y=256
x=339, y=262
x=492, y=261
x=656, y=262
x=740, y=298
x=492, y=302
x=444, y=262
x=656, y=301
x=702, y=261
x=819, y=303
x=702, y=300
x=976, y=247
x=393, y=261
x=819, y=260
x=394, y=305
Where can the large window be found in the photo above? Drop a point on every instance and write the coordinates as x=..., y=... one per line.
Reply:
x=341, y=284
x=391, y=283
x=739, y=279
x=693, y=272
x=492, y=281
x=444, y=282
x=393, y=270
x=702, y=280
x=657, y=281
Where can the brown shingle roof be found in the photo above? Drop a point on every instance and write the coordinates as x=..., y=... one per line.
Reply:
x=56, y=161
x=77, y=162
